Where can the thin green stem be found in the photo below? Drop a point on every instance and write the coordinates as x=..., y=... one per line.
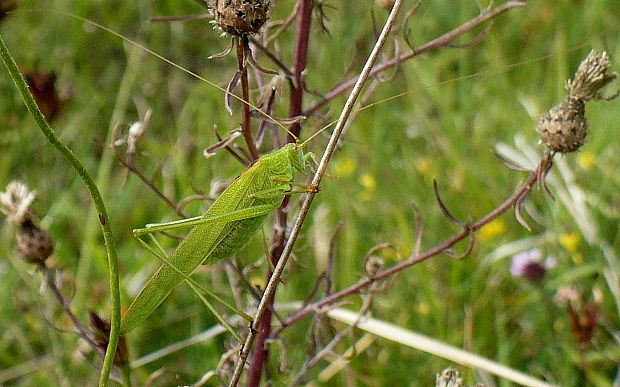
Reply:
x=64, y=150
x=84, y=269
x=126, y=370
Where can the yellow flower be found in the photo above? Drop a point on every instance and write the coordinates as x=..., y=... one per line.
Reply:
x=368, y=182
x=492, y=230
x=344, y=167
x=425, y=167
x=257, y=282
x=586, y=159
x=370, y=185
x=423, y=309
x=569, y=240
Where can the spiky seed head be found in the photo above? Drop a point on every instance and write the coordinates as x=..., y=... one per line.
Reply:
x=240, y=17
x=592, y=75
x=451, y=378
x=34, y=244
x=15, y=202
x=564, y=128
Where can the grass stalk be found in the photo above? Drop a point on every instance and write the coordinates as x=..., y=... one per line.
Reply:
x=104, y=220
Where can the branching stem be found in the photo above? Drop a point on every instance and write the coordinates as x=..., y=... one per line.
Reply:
x=441, y=41
x=84, y=334
x=356, y=288
x=308, y=198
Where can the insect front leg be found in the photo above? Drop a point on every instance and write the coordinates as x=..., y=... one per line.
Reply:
x=304, y=188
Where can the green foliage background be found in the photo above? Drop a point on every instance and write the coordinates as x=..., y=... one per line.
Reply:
x=387, y=162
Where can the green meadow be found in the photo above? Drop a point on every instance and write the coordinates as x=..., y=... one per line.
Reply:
x=439, y=116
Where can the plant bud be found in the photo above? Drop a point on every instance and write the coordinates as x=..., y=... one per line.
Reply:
x=592, y=75
x=386, y=4
x=564, y=128
x=241, y=17
x=451, y=378
x=373, y=265
x=33, y=243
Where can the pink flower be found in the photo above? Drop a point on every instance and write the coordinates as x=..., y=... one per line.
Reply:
x=528, y=265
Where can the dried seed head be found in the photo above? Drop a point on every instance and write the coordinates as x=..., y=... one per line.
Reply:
x=373, y=265
x=33, y=243
x=6, y=6
x=240, y=17
x=102, y=330
x=564, y=127
x=592, y=75
x=386, y=4
x=451, y=378
x=15, y=202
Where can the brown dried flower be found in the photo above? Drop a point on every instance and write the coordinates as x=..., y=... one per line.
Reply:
x=33, y=243
x=43, y=87
x=6, y=6
x=564, y=128
x=373, y=265
x=591, y=76
x=451, y=378
x=240, y=17
x=102, y=330
x=15, y=202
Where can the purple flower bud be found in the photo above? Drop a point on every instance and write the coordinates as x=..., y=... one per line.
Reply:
x=528, y=265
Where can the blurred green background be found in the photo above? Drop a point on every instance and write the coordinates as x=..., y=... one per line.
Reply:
x=390, y=155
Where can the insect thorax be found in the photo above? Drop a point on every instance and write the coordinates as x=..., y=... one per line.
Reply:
x=296, y=157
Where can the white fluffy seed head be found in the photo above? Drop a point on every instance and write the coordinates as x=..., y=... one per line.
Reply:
x=15, y=202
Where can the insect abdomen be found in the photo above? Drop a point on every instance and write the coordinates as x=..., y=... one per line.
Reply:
x=239, y=235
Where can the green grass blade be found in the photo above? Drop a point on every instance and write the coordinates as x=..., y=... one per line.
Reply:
x=104, y=220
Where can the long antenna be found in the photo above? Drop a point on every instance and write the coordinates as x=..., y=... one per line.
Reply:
x=316, y=134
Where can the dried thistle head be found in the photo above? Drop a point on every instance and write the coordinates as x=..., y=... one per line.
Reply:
x=591, y=76
x=240, y=17
x=33, y=243
x=15, y=202
x=564, y=128
x=373, y=265
x=451, y=378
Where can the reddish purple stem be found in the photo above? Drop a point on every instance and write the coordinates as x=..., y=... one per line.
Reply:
x=433, y=44
x=304, y=21
x=354, y=289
